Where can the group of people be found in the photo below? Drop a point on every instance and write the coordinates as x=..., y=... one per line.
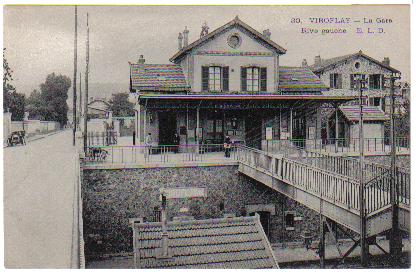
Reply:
x=176, y=142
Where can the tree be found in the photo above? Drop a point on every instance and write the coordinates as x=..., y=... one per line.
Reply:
x=121, y=106
x=12, y=101
x=50, y=103
x=35, y=105
x=54, y=93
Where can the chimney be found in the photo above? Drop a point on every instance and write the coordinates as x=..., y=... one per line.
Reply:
x=180, y=38
x=141, y=60
x=317, y=60
x=164, y=250
x=304, y=63
x=185, y=37
x=386, y=61
x=267, y=33
x=204, y=30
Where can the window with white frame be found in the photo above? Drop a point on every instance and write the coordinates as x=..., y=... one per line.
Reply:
x=376, y=81
x=335, y=81
x=214, y=78
x=253, y=79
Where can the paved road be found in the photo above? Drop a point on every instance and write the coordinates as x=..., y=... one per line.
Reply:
x=39, y=181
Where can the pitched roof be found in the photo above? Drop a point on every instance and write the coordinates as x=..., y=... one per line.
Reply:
x=237, y=242
x=328, y=63
x=157, y=77
x=298, y=79
x=370, y=113
x=235, y=22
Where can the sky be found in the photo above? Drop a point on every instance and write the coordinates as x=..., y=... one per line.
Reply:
x=39, y=40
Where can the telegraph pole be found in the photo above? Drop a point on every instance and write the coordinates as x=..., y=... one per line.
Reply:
x=74, y=103
x=86, y=87
x=80, y=101
x=363, y=239
x=395, y=241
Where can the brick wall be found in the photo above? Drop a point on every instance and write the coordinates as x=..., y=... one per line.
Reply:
x=111, y=197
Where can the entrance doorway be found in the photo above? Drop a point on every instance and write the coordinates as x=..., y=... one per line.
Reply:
x=215, y=128
x=264, y=220
x=167, y=127
x=299, y=130
x=253, y=124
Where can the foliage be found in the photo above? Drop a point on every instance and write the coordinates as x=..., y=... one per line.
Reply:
x=401, y=120
x=34, y=105
x=12, y=101
x=50, y=103
x=121, y=106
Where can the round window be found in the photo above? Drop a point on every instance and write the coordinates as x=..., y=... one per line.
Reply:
x=234, y=40
x=357, y=65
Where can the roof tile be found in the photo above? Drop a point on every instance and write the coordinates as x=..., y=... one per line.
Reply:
x=158, y=77
x=370, y=113
x=299, y=79
x=217, y=243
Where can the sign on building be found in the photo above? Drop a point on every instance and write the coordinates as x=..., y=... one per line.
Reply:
x=269, y=133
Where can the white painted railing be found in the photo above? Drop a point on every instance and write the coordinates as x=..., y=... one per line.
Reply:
x=339, y=189
x=332, y=178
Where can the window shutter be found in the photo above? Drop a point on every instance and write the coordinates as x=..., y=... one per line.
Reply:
x=243, y=79
x=225, y=79
x=205, y=78
x=331, y=80
x=351, y=81
x=339, y=82
x=383, y=82
x=263, y=79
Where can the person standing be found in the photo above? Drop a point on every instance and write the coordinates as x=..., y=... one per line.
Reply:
x=148, y=142
x=176, y=141
x=227, y=146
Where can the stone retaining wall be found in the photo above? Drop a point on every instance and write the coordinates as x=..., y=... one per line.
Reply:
x=111, y=197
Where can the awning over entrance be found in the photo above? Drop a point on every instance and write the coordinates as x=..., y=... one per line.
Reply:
x=237, y=101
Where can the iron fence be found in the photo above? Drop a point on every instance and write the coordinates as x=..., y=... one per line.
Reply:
x=142, y=154
x=104, y=138
x=340, y=145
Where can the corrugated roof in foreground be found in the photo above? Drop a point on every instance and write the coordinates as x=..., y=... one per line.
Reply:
x=237, y=242
x=370, y=113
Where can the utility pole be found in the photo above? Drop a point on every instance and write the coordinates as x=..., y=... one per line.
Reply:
x=86, y=87
x=363, y=239
x=80, y=101
x=74, y=103
x=395, y=241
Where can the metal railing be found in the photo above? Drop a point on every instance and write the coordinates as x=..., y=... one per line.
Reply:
x=332, y=183
x=340, y=145
x=142, y=154
x=104, y=138
x=325, y=184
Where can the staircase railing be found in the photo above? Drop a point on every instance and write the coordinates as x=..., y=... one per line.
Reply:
x=336, y=188
x=334, y=178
